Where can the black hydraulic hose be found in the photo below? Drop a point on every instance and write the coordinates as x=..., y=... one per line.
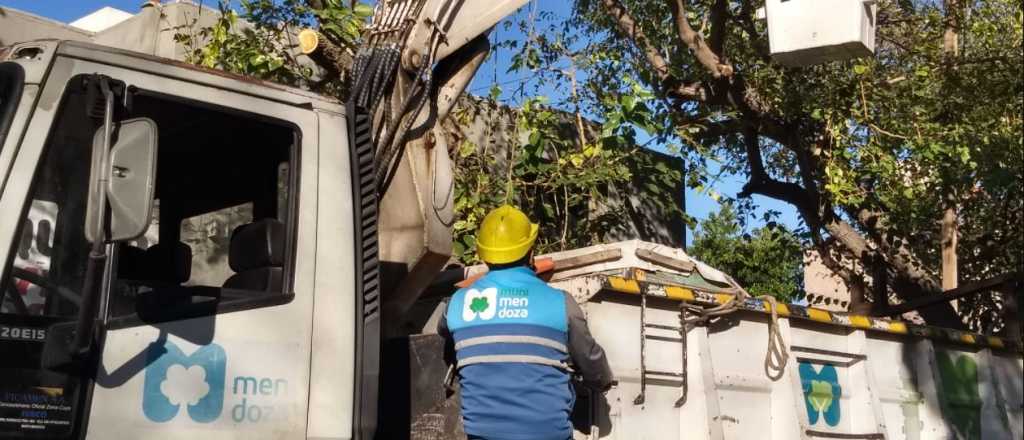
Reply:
x=389, y=166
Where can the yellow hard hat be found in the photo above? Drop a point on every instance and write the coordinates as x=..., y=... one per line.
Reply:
x=505, y=236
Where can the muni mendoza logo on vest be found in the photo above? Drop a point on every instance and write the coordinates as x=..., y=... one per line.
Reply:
x=486, y=304
x=482, y=304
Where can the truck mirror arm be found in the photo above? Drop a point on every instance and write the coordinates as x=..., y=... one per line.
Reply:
x=81, y=345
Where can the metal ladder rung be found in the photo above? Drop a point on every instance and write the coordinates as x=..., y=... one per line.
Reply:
x=826, y=434
x=644, y=337
x=662, y=373
x=660, y=326
x=664, y=338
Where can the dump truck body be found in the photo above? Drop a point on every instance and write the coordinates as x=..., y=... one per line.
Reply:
x=845, y=376
x=842, y=376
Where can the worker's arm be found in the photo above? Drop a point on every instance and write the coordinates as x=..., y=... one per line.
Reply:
x=587, y=355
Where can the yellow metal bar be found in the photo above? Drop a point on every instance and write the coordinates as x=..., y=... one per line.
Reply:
x=624, y=285
x=819, y=315
x=679, y=293
x=860, y=321
x=722, y=298
x=782, y=309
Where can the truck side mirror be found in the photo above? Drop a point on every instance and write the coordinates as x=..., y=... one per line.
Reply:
x=129, y=177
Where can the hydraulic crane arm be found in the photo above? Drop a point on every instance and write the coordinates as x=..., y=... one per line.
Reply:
x=418, y=57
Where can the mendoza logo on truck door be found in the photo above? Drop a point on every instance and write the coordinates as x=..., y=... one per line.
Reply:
x=173, y=380
x=199, y=382
x=822, y=393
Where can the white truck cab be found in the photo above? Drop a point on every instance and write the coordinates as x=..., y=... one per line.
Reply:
x=238, y=312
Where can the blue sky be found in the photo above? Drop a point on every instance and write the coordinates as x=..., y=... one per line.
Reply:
x=699, y=205
x=69, y=10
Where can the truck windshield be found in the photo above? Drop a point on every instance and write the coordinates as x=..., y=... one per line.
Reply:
x=47, y=268
x=12, y=79
x=44, y=276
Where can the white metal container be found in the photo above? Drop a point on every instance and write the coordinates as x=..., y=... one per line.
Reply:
x=846, y=376
x=806, y=32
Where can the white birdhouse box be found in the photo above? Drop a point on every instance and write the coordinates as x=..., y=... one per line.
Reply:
x=806, y=32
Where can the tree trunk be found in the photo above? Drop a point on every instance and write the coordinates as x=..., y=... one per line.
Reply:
x=949, y=260
x=947, y=237
x=950, y=39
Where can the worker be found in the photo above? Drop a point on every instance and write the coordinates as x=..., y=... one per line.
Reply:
x=517, y=340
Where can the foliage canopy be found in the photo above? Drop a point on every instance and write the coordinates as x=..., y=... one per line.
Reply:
x=768, y=261
x=870, y=152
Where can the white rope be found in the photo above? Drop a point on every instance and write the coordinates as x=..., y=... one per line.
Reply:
x=777, y=356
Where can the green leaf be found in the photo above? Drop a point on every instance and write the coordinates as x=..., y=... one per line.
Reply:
x=534, y=138
x=257, y=59
x=363, y=10
x=628, y=102
x=466, y=149
x=576, y=160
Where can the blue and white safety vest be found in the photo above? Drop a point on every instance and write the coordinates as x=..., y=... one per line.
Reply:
x=511, y=333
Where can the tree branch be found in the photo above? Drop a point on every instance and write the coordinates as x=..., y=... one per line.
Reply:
x=719, y=12
x=629, y=28
x=905, y=273
x=333, y=58
x=761, y=183
x=693, y=40
x=330, y=55
x=757, y=118
x=967, y=289
x=898, y=255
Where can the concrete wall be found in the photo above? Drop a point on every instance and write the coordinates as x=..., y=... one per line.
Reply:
x=825, y=290
x=17, y=26
x=150, y=31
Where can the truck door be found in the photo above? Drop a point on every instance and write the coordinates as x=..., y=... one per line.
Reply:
x=42, y=233
x=206, y=318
